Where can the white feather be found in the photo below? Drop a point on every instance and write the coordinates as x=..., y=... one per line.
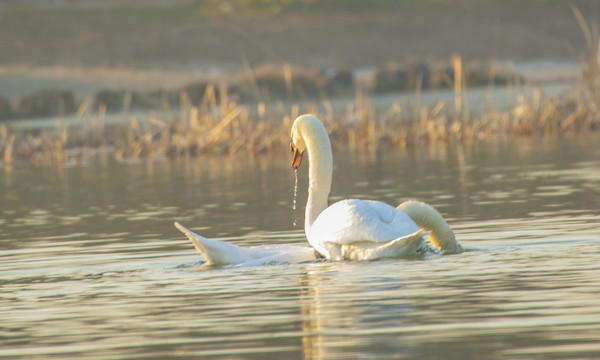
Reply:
x=221, y=252
x=357, y=229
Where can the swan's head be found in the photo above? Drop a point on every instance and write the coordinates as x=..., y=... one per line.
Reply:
x=298, y=144
x=309, y=134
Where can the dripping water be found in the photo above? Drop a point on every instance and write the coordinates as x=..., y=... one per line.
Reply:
x=295, y=197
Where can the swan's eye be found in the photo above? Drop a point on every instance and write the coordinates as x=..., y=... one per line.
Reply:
x=292, y=147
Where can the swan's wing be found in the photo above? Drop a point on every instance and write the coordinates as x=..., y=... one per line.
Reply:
x=351, y=221
x=406, y=245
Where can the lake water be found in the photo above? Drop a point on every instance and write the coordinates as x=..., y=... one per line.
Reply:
x=91, y=266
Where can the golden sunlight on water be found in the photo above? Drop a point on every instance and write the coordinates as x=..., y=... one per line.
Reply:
x=92, y=268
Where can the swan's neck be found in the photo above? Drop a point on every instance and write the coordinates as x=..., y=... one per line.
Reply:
x=426, y=217
x=320, y=171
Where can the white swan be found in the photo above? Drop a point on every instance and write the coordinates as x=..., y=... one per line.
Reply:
x=217, y=252
x=359, y=229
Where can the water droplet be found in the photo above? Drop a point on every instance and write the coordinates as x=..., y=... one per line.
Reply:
x=295, y=197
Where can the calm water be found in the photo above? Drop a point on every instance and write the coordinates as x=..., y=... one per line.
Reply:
x=91, y=266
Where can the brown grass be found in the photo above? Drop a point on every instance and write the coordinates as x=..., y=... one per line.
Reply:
x=220, y=125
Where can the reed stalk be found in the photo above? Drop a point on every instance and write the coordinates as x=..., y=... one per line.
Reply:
x=220, y=124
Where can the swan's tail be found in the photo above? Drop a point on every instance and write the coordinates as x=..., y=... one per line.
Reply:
x=428, y=218
x=214, y=251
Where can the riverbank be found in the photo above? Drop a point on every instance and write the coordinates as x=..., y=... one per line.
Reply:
x=122, y=91
x=195, y=110
x=220, y=124
x=97, y=52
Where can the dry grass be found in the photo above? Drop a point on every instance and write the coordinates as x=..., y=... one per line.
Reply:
x=219, y=125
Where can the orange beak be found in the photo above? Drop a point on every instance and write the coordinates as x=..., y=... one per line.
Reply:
x=297, y=157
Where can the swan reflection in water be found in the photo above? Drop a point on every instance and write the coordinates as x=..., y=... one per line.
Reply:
x=349, y=311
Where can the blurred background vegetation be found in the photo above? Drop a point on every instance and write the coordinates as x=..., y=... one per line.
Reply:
x=210, y=34
x=157, y=77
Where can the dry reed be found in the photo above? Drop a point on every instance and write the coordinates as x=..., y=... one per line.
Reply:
x=220, y=125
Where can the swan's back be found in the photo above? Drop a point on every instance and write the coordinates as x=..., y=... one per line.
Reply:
x=370, y=223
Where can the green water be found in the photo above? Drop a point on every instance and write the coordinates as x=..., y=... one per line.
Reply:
x=91, y=266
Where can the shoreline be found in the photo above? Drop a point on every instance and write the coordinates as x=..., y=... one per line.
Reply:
x=222, y=125
x=51, y=92
x=23, y=80
x=330, y=58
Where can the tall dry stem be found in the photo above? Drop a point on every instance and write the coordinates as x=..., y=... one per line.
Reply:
x=8, y=149
x=458, y=85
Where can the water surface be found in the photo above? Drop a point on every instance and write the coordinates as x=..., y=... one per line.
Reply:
x=91, y=266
